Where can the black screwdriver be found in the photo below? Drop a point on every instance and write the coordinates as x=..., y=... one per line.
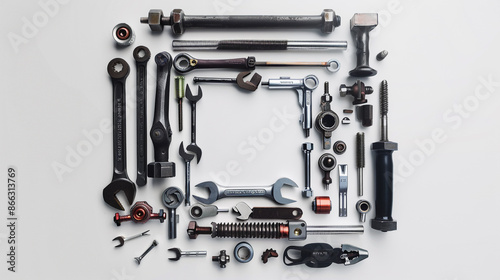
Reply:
x=383, y=150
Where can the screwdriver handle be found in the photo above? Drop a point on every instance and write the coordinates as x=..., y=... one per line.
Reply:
x=384, y=186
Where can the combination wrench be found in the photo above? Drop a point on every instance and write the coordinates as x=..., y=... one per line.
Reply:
x=141, y=56
x=118, y=70
x=272, y=192
x=187, y=160
x=184, y=63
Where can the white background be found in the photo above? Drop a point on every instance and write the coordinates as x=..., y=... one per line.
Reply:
x=443, y=76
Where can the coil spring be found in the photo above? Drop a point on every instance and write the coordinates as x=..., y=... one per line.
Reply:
x=249, y=230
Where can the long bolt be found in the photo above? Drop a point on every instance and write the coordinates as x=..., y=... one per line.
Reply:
x=179, y=92
x=360, y=160
x=307, y=148
x=139, y=259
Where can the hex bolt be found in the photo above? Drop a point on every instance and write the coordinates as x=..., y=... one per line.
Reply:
x=139, y=259
x=179, y=22
x=194, y=230
x=307, y=148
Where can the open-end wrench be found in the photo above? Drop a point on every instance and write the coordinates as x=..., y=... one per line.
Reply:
x=272, y=192
x=172, y=198
x=187, y=159
x=184, y=63
x=141, y=56
x=118, y=70
x=286, y=213
x=122, y=239
x=161, y=133
x=193, y=99
x=251, y=85
x=179, y=253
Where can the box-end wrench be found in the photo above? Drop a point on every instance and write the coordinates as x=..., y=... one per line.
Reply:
x=118, y=70
x=141, y=56
x=161, y=133
x=272, y=192
x=172, y=198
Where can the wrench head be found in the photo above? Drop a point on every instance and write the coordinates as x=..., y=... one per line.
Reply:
x=177, y=252
x=186, y=156
x=172, y=197
x=244, y=210
x=196, y=150
x=213, y=193
x=193, y=98
x=277, y=190
x=117, y=185
x=248, y=85
x=120, y=239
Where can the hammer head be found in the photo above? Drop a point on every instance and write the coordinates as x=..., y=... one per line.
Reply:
x=364, y=21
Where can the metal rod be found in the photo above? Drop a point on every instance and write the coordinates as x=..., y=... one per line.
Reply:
x=183, y=45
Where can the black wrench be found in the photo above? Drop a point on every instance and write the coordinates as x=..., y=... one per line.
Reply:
x=193, y=99
x=141, y=56
x=161, y=133
x=187, y=159
x=118, y=70
x=172, y=198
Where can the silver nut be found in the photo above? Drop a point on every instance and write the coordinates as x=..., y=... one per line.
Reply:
x=307, y=193
x=154, y=19
x=343, y=90
x=364, y=20
x=177, y=20
x=308, y=146
x=123, y=35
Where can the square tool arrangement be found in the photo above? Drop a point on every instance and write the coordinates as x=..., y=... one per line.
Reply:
x=286, y=221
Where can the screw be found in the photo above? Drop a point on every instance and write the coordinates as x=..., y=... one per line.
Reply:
x=307, y=148
x=179, y=92
x=139, y=259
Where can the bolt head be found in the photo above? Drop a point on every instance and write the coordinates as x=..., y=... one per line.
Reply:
x=330, y=21
x=154, y=19
x=387, y=146
x=161, y=169
x=307, y=193
x=365, y=20
x=343, y=90
x=308, y=146
x=177, y=21
x=192, y=230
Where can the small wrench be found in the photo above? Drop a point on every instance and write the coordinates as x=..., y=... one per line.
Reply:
x=118, y=70
x=272, y=192
x=199, y=211
x=286, y=213
x=251, y=85
x=179, y=253
x=122, y=239
x=172, y=198
x=193, y=99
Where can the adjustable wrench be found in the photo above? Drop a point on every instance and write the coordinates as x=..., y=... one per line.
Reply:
x=286, y=213
x=118, y=70
x=304, y=88
x=272, y=192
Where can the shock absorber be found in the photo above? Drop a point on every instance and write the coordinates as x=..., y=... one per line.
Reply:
x=293, y=230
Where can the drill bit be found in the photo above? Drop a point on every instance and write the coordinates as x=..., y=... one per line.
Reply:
x=360, y=159
x=179, y=92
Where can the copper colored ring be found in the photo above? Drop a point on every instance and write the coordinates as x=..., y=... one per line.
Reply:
x=284, y=231
x=125, y=34
x=322, y=205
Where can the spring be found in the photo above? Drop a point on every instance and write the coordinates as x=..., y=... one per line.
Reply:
x=250, y=230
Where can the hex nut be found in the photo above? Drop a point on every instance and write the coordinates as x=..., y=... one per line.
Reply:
x=308, y=146
x=307, y=193
x=161, y=169
x=177, y=21
x=339, y=147
x=155, y=19
x=343, y=90
x=330, y=21
x=388, y=146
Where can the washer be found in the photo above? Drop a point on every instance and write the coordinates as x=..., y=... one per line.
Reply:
x=243, y=252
